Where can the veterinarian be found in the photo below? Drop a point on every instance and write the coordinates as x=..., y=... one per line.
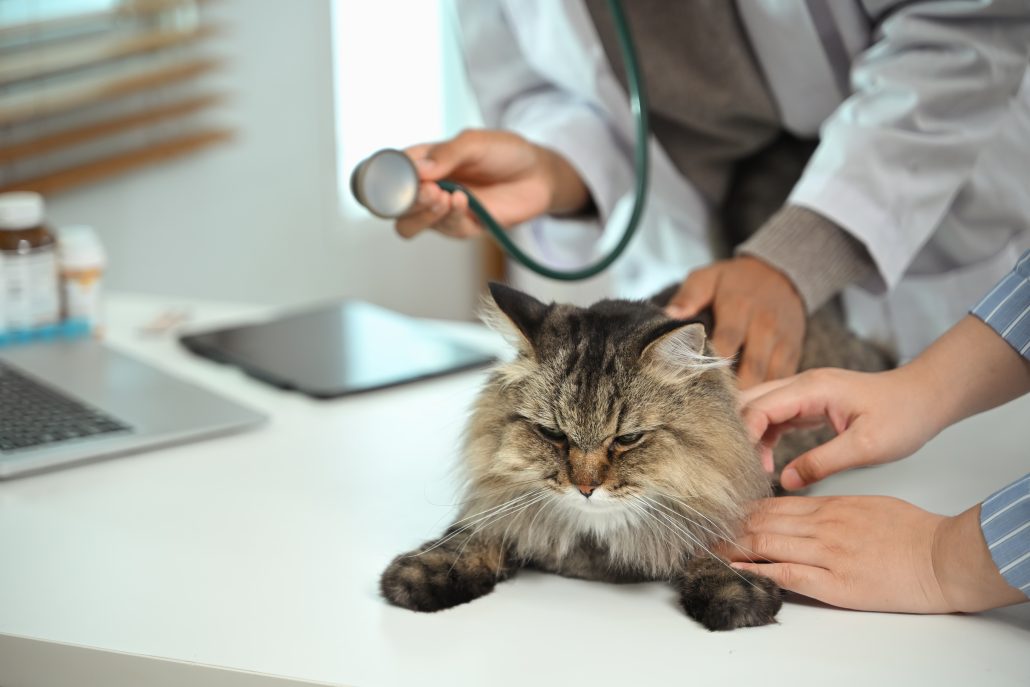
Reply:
x=872, y=150
x=881, y=554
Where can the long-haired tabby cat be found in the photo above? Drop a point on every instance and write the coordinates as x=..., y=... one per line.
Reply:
x=610, y=448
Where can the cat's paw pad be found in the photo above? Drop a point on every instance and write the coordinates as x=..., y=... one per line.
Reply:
x=432, y=581
x=726, y=601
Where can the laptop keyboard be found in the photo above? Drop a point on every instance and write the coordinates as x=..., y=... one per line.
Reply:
x=34, y=414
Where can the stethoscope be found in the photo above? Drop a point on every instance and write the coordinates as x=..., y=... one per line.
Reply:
x=387, y=182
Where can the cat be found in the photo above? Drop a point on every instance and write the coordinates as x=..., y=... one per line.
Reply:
x=610, y=448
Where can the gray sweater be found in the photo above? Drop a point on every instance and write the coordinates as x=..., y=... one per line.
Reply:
x=712, y=112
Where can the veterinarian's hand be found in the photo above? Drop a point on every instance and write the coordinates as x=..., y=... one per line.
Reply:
x=878, y=418
x=756, y=308
x=514, y=179
x=874, y=553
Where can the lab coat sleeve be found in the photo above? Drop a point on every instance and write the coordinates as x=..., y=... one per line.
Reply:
x=928, y=95
x=513, y=96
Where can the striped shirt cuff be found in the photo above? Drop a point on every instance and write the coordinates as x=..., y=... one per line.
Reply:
x=1005, y=522
x=1006, y=309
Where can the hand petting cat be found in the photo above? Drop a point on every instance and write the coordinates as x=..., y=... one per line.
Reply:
x=758, y=313
x=872, y=552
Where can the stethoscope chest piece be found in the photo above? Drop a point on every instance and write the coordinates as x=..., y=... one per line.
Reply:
x=386, y=183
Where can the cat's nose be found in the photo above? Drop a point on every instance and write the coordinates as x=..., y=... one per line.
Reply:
x=585, y=489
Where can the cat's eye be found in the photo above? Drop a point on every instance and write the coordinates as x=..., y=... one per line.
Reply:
x=629, y=439
x=555, y=435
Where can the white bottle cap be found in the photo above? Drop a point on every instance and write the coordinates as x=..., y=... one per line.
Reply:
x=20, y=210
x=79, y=248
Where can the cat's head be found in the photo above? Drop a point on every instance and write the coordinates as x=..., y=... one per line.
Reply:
x=608, y=409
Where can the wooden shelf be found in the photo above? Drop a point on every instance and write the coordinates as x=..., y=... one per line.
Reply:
x=90, y=95
x=118, y=164
x=109, y=127
x=70, y=22
x=47, y=60
x=53, y=100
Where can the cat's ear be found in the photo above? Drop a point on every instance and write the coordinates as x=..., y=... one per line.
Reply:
x=516, y=315
x=677, y=349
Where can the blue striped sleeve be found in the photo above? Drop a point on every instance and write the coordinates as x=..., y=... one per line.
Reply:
x=1006, y=309
x=1005, y=521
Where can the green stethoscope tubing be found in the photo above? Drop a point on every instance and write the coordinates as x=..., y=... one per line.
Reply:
x=638, y=107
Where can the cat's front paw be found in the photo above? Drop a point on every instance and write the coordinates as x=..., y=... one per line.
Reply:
x=432, y=579
x=721, y=598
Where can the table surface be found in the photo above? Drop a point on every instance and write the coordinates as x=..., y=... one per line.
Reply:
x=262, y=551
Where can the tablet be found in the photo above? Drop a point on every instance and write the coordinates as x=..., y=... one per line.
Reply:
x=339, y=349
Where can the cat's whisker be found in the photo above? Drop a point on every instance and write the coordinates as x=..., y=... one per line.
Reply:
x=480, y=517
x=487, y=511
x=549, y=504
x=749, y=552
x=728, y=540
x=668, y=531
x=697, y=541
x=504, y=537
x=480, y=493
x=518, y=510
x=667, y=510
x=686, y=505
x=484, y=523
x=661, y=536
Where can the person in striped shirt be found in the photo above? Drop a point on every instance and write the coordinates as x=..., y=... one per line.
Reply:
x=883, y=554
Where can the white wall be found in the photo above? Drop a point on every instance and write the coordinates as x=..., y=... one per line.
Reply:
x=258, y=219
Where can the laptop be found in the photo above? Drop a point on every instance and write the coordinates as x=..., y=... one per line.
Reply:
x=67, y=402
x=29, y=661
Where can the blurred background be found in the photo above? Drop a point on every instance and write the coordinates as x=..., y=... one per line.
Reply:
x=210, y=142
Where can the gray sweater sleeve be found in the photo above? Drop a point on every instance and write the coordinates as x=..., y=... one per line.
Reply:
x=818, y=256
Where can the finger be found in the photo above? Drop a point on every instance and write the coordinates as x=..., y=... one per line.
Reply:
x=786, y=505
x=428, y=194
x=786, y=524
x=782, y=548
x=765, y=455
x=758, y=349
x=784, y=360
x=441, y=159
x=458, y=223
x=435, y=210
x=759, y=390
x=732, y=551
x=731, y=325
x=811, y=581
x=795, y=400
x=837, y=454
x=419, y=154
x=697, y=291
x=418, y=151
x=762, y=431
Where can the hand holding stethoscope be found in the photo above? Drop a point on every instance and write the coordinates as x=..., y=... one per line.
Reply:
x=516, y=179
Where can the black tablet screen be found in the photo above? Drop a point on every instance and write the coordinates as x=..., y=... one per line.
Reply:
x=338, y=349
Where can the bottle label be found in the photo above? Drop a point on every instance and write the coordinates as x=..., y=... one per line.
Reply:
x=82, y=295
x=28, y=287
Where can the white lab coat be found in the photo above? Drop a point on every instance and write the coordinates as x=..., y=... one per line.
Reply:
x=926, y=161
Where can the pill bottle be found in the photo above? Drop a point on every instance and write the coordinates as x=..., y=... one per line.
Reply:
x=81, y=261
x=28, y=253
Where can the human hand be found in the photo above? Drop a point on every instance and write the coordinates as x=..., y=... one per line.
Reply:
x=873, y=553
x=755, y=307
x=513, y=178
x=878, y=417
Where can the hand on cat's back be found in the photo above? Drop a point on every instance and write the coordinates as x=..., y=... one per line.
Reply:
x=757, y=312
